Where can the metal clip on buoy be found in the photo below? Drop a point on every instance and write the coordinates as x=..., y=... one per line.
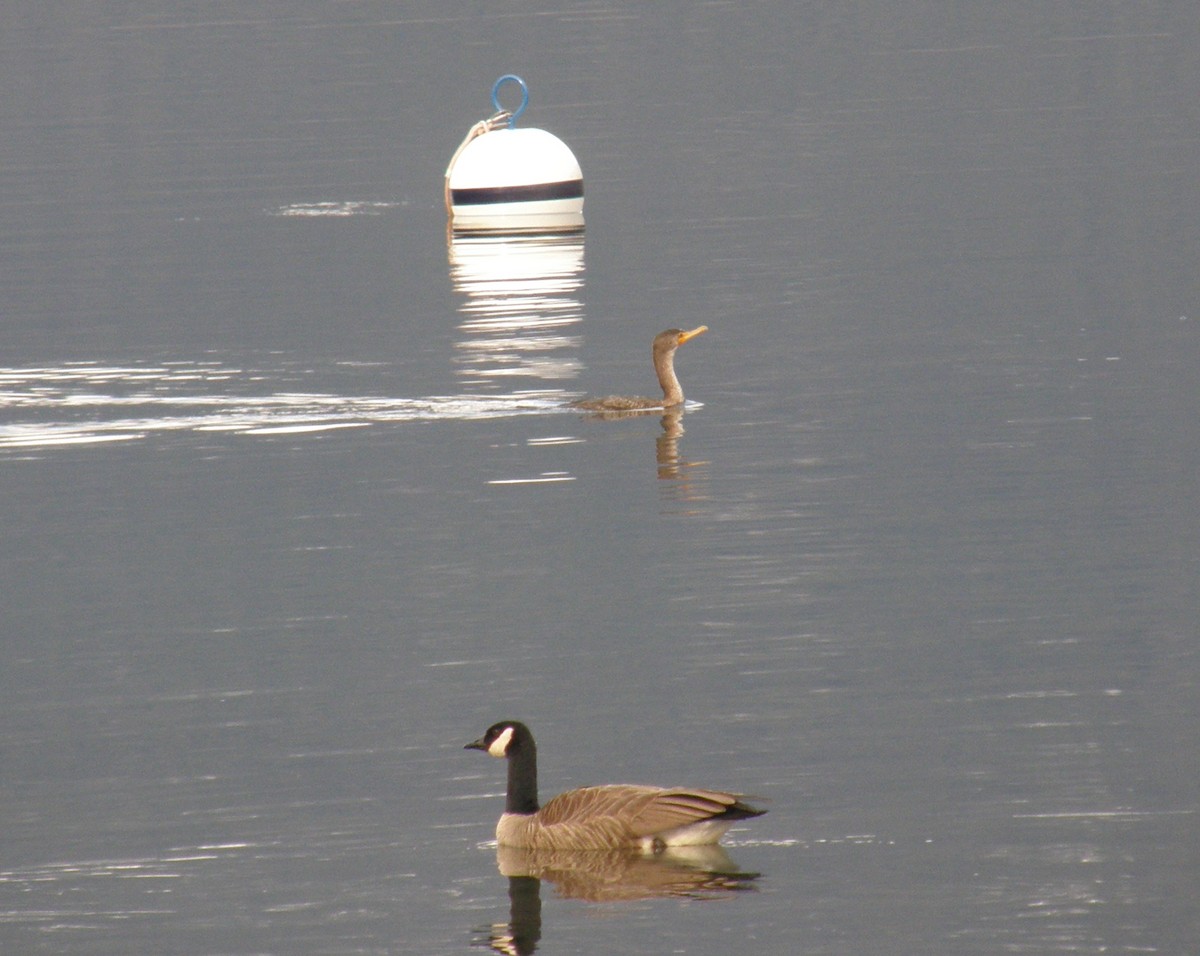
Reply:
x=504, y=179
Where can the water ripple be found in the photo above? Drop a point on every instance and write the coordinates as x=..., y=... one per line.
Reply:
x=92, y=403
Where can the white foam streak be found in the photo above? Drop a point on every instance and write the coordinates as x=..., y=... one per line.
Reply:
x=78, y=404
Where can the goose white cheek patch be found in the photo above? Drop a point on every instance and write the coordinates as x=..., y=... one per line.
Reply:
x=499, y=746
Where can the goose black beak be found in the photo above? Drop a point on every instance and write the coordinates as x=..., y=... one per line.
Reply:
x=477, y=745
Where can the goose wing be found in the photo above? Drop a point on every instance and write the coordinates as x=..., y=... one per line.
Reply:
x=641, y=811
x=620, y=801
x=673, y=808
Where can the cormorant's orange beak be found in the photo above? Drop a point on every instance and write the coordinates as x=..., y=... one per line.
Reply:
x=691, y=334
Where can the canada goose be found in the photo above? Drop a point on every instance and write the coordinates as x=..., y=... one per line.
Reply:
x=602, y=818
x=665, y=344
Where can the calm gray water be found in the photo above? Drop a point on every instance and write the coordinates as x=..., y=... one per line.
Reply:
x=291, y=511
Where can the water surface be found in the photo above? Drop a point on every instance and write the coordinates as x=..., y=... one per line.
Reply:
x=293, y=510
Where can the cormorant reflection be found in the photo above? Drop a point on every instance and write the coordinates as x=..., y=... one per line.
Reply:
x=672, y=466
x=598, y=876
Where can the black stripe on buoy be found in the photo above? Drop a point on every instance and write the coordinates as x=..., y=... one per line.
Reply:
x=538, y=192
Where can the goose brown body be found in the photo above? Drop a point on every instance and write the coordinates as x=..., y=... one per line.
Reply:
x=606, y=817
x=665, y=344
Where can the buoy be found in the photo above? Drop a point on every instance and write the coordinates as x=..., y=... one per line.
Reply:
x=504, y=179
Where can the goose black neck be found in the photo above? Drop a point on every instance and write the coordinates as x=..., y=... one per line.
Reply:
x=522, y=777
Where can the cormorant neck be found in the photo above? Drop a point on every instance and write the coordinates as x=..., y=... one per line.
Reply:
x=522, y=779
x=664, y=365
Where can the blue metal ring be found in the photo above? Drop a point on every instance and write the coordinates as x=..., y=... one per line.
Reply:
x=524, y=96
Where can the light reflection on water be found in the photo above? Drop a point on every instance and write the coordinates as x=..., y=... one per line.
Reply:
x=86, y=403
x=520, y=295
x=332, y=208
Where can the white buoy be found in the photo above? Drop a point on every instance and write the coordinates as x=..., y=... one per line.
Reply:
x=503, y=179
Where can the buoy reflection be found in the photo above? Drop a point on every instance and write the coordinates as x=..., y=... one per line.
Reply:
x=520, y=301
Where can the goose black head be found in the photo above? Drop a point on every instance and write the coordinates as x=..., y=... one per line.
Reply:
x=502, y=739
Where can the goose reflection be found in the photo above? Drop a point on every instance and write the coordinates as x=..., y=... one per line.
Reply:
x=599, y=876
